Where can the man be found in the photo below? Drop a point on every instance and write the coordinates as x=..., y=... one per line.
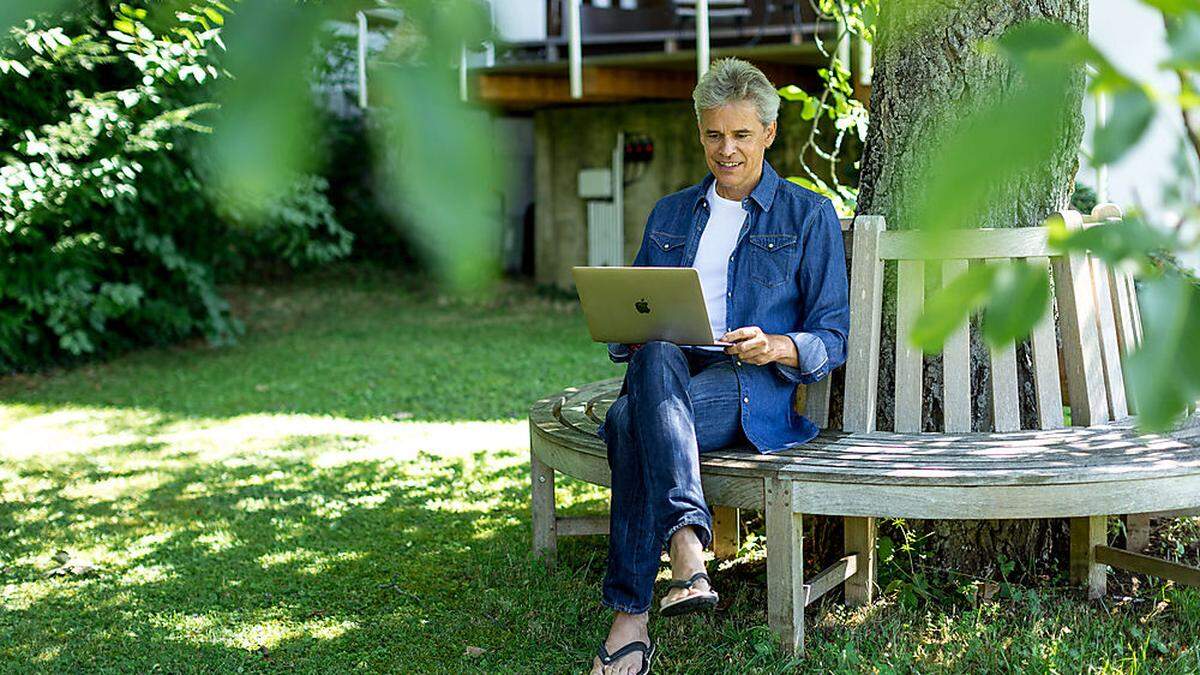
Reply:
x=772, y=268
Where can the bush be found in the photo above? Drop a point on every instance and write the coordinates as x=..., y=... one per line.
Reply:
x=297, y=228
x=109, y=237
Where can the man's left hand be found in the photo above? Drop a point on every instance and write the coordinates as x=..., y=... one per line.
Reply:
x=755, y=347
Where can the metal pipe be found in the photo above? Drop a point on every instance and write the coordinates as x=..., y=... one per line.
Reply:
x=363, y=36
x=462, y=73
x=1101, y=169
x=575, y=48
x=701, y=38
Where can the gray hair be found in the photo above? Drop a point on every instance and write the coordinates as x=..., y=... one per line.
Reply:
x=731, y=80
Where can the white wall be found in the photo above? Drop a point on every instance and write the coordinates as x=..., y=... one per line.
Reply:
x=1132, y=36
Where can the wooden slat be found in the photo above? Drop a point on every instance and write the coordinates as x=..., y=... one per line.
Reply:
x=956, y=364
x=1145, y=564
x=1006, y=407
x=727, y=532
x=830, y=578
x=974, y=502
x=785, y=565
x=577, y=526
x=1110, y=350
x=816, y=404
x=1087, y=535
x=1123, y=310
x=862, y=360
x=910, y=294
x=1017, y=242
x=1080, y=340
x=859, y=540
x=1135, y=308
x=1044, y=346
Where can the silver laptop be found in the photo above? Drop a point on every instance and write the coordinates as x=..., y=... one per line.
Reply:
x=640, y=304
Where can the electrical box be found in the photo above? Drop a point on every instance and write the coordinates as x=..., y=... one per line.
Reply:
x=595, y=183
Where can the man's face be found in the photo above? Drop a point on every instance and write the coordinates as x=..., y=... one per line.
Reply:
x=734, y=141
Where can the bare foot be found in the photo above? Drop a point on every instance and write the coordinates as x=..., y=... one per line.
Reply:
x=687, y=558
x=626, y=628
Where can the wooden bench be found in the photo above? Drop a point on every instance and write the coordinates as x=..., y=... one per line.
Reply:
x=1097, y=467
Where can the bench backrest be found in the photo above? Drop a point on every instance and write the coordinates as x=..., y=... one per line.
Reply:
x=1097, y=312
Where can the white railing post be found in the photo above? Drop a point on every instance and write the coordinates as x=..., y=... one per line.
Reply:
x=575, y=48
x=701, y=38
x=363, y=37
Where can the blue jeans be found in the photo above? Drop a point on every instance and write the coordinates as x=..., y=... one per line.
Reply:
x=678, y=404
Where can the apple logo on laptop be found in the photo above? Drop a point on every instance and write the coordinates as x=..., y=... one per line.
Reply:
x=642, y=306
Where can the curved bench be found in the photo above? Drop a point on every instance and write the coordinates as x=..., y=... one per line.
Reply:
x=1085, y=473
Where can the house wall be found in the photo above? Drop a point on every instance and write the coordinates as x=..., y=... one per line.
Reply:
x=569, y=139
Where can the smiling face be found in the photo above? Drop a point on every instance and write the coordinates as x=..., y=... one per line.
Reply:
x=734, y=141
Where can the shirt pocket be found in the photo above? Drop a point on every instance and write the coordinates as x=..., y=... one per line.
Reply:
x=666, y=249
x=771, y=257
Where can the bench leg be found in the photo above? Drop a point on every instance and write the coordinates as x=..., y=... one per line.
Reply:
x=1137, y=531
x=860, y=540
x=1086, y=534
x=785, y=566
x=545, y=527
x=727, y=535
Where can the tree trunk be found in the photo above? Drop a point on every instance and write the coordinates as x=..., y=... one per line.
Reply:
x=925, y=66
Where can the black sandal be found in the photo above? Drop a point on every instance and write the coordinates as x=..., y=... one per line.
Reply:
x=647, y=651
x=694, y=603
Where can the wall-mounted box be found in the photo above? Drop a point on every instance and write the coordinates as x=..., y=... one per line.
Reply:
x=595, y=183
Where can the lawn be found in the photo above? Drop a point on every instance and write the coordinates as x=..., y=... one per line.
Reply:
x=346, y=489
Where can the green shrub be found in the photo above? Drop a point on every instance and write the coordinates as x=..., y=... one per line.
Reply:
x=109, y=237
x=297, y=228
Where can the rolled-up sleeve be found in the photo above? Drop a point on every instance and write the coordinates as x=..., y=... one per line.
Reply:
x=825, y=295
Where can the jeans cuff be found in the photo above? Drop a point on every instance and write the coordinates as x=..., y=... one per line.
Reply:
x=704, y=529
x=628, y=609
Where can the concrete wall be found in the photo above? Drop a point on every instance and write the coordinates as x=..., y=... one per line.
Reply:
x=569, y=139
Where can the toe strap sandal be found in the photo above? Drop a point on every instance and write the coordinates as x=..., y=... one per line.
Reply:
x=692, y=603
x=647, y=651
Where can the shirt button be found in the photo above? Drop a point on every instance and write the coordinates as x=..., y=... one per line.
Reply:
x=746, y=399
x=729, y=294
x=665, y=247
x=739, y=363
x=770, y=245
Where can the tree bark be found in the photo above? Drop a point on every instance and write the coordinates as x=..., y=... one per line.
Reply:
x=924, y=67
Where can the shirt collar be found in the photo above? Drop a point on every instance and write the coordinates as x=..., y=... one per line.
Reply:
x=763, y=193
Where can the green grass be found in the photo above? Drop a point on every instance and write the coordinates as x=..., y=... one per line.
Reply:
x=265, y=508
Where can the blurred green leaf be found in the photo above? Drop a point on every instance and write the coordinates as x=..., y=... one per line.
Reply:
x=1183, y=39
x=1165, y=371
x=1130, y=239
x=264, y=135
x=1174, y=6
x=1131, y=114
x=946, y=308
x=793, y=93
x=1018, y=299
x=439, y=153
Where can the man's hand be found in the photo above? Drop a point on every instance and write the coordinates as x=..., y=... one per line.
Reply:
x=755, y=347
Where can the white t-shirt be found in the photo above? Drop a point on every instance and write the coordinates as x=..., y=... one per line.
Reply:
x=720, y=236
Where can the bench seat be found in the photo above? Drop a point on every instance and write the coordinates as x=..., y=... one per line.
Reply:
x=1025, y=474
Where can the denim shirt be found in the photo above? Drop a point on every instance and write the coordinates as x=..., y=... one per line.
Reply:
x=787, y=275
